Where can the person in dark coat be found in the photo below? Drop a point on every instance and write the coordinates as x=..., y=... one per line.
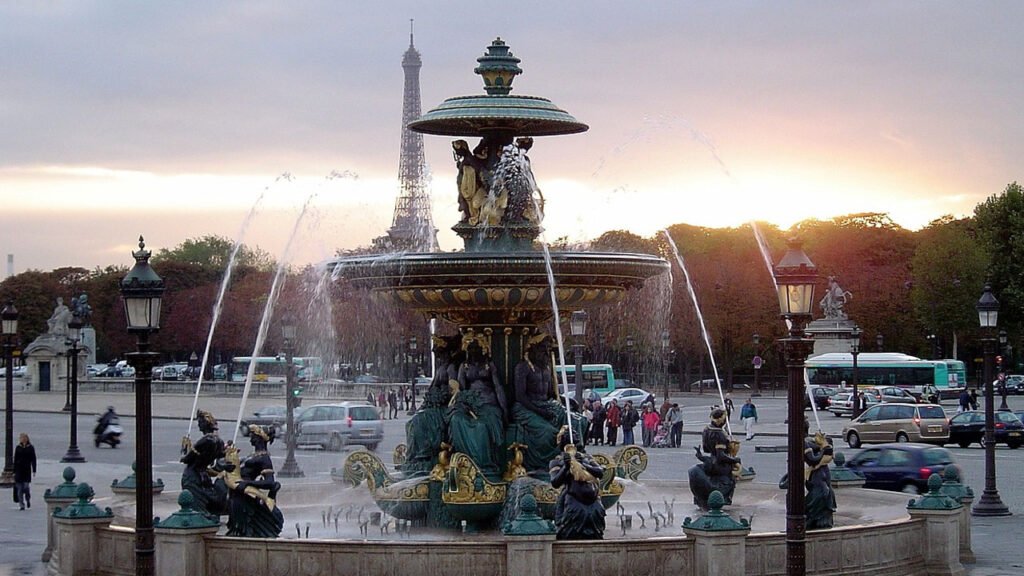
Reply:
x=24, y=468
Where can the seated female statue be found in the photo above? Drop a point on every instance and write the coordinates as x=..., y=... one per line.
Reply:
x=476, y=414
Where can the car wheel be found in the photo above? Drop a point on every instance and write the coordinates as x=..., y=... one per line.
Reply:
x=909, y=488
x=964, y=444
x=1013, y=445
x=853, y=439
x=901, y=437
x=371, y=447
x=336, y=443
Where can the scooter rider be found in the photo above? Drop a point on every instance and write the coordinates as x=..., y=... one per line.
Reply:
x=106, y=420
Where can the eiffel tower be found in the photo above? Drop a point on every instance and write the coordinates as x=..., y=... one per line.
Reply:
x=412, y=228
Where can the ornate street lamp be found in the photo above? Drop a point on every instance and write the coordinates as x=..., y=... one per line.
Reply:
x=796, y=276
x=74, y=336
x=855, y=351
x=934, y=341
x=288, y=331
x=412, y=351
x=578, y=329
x=880, y=342
x=9, y=319
x=990, y=503
x=758, y=362
x=141, y=290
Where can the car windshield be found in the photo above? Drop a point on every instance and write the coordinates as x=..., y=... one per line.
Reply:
x=935, y=456
x=931, y=412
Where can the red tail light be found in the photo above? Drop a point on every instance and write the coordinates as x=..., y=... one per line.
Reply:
x=925, y=473
x=1000, y=425
x=348, y=420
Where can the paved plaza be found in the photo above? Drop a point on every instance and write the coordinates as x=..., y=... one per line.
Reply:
x=22, y=536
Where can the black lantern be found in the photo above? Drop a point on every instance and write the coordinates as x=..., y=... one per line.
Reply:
x=142, y=289
x=9, y=317
x=796, y=276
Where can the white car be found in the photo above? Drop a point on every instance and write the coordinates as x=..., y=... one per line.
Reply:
x=637, y=395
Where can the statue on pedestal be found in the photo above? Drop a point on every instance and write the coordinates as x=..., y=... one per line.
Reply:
x=426, y=430
x=252, y=506
x=821, y=498
x=57, y=324
x=834, y=300
x=579, y=514
x=536, y=415
x=476, y=413
x=719, y=465
x=199, y=459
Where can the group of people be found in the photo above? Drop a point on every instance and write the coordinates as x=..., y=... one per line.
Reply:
x=967, y=400
x=390, y=401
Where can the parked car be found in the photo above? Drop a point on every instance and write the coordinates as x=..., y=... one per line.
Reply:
x=968, y=427
x=19, y=371
x=889, y=422
x=891, y=394
x=822, y=396
x=368, y=379
x=267, y=416
x=902, y=467
x=842, y=403
x=637, y=395
x=1015, y=384
x=334, y=426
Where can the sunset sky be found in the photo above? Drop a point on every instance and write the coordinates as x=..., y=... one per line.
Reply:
x=172, y=119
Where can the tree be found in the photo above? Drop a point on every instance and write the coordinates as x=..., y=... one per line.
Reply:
x=214, y=252
x=999, y=221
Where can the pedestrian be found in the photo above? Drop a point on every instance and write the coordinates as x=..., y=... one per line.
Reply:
x=965, y=401
x=597, y=424
x=629, y=419
x=392, y=404
x=663, y=411
x=974, y=398
x=748, y=415
x=588, y=417
x=675, y=425
x=729, y=407
x=24, y=468
x=382, y=402
x=649, y=424
x=369, y=398
x=613, y=420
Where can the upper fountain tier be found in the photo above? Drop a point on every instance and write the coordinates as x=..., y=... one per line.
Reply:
x=497, y=111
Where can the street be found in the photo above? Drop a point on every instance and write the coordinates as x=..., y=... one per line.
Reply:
x=22, y=534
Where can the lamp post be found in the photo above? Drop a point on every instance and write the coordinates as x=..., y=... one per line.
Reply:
x=288, y=330
x=855, y=351
x=758, y=361
x=9, y=319
x=578, y=329
x=796, y=275
x=990, y=503
x=412, y=351
x=933, y=340
x=665, y=341
x=74, y=334
x=1002, y=371
x=630, y=341
x=880, y=342
x=141, y=290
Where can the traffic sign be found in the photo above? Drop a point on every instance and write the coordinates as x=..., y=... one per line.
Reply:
x=758, y=361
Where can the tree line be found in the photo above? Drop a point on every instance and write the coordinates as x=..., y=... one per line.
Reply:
x=917, y=289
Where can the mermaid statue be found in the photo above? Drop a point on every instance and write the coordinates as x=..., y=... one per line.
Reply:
x=199, y=458
x=252, y=505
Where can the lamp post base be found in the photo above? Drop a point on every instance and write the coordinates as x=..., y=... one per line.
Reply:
x=990, y=505
x=7, y=479
x=291, y=470
x=73, y=455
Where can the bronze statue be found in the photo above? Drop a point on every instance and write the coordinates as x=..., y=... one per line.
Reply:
x=476, y=413
x=471, y=180
x=537, y=416
x=579, y=513
x=200, y=459
x=821, y=498
x=719, y=465
x=425, y=431
x=252, y=506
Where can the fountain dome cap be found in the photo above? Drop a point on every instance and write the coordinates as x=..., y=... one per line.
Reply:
x=497, y=111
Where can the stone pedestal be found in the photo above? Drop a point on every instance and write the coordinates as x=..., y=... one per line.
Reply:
x=831, y=335
x=60, y=496
x=952, y=487
x=530, y=555
x=719, y=547
x=941, y=542
x=181, y=551
x=76, y=539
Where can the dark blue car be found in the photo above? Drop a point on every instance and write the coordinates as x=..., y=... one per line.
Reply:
x=901, y=466
x=968, y=427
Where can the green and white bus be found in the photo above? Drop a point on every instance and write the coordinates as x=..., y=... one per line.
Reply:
x=887, y=369
x=597, y=377
x=274, y=368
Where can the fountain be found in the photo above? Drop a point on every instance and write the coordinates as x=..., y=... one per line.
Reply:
x=499, y=293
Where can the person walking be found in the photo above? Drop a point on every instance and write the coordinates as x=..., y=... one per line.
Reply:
x=729, y=406
x=392, y=404
x=748, y=415
x=597, y=426
x=965, y=401
x=649, y=424
x=588, y=418
x=675, y=425
x=974, y=398
x=628, y=419
x=24, y=468
x=613, y=419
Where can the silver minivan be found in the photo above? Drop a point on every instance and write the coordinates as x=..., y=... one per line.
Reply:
x=334, y=426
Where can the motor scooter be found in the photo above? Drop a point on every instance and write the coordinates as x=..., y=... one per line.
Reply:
x=111, y=434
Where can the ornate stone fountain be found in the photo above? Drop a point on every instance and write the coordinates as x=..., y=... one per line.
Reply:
x=498, y=293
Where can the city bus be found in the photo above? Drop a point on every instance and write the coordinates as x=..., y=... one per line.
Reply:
x=274, y=368
x=597, y=377
x=887, y=369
